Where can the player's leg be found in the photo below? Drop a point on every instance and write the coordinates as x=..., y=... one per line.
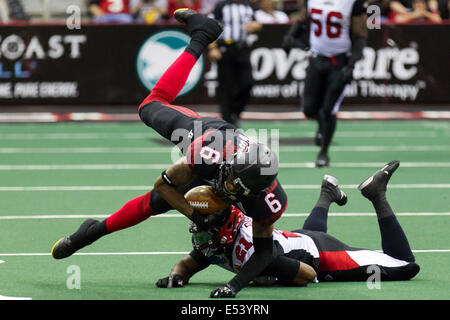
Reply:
x=313, y=95
x=329, y=193
x=133, y=212
x=393, y=239
x=156, y=110
x=245, y=82
x=156, y=106
x=226, y=87
x=333, y=97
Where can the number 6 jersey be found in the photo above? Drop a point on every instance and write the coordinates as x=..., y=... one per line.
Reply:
x=205, y=155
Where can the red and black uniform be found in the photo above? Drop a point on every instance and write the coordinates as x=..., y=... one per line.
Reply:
x=193, y=135
x=206, y=142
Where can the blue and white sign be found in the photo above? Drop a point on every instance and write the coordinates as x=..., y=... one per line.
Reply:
x=158, y=52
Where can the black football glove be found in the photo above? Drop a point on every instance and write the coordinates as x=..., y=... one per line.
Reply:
x=225, y=291
x=175, y=281
x=290, y=42
x=347, y=74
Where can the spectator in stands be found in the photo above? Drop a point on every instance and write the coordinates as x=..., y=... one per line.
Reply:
x=384, y=7
x=268, y=14
x=178, y=4
x=403, y=11
x=12, y=10
x=149, y=11
x=106, y=11
x=207, y=6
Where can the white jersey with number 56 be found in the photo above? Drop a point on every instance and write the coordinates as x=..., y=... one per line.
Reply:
x=330, y=22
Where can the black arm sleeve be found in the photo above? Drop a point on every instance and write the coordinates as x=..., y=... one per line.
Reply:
x=265, y=252
x=296, y=30
x=358, y=44
x=359, y=7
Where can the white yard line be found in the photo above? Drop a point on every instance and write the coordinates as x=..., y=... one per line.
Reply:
x=130, y=188
x=141, y=253
x=129, y=166
x=152, y=134
x=404, y=148
x=179, y=215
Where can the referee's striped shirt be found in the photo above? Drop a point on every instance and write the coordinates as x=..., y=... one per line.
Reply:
x=233, y=14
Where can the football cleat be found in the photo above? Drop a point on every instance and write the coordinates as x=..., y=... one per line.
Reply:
x=196, y=22
x=322, y=160
x=377, y=183
x=330, y=185
x=89, y=231
x=62, y=248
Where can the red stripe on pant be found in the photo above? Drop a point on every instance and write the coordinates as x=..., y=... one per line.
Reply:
x=132, y=213
x=336, y=260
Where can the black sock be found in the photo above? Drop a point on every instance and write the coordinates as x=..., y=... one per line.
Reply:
x=89, y=231
x=393, y=240
x=381, y=205
x=199, y=42
x=325, y=200
x=328, y=130
x=317, y=220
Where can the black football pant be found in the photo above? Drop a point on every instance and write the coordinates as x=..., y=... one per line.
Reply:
x=323, y=93
x=235, y=81
x=315, y=227
x=175, y=123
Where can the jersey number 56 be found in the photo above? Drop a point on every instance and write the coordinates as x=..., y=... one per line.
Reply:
x=333, y=26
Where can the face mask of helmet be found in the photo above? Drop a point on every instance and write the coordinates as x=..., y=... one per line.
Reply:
x=218, y=239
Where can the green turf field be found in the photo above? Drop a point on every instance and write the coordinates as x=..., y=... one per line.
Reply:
x=53, y=176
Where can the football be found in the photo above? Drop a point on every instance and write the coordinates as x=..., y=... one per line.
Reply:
x=206, y=200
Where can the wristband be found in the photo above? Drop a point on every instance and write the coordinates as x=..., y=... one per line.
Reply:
x=167, y=180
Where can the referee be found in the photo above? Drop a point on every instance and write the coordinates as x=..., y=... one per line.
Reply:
x=232, y=54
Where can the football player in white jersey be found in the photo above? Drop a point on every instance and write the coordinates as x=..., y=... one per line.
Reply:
x=337, y=36
x=308, y=254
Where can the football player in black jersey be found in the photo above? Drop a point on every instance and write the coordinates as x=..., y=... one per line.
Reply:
x=245, y=172
x=337, y=37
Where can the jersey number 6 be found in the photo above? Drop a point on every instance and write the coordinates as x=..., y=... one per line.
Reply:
x=272, y=203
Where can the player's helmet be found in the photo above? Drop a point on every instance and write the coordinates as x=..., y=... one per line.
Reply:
x=229, y=230
x=218, y=238
x=252, y=170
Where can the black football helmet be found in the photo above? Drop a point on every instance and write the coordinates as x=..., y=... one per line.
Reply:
x=252, y=171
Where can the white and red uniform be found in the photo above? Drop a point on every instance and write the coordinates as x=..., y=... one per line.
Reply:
x=330, y=26
x=332, y=259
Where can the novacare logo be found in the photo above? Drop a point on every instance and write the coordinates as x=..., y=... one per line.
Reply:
x=158, y=52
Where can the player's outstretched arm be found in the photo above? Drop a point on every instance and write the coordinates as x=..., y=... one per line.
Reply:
x=264, y=254
x=181, y=272
x=292, y=37
x=177, y=175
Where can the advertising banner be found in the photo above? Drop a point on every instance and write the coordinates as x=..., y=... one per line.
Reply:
x=119, y=65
